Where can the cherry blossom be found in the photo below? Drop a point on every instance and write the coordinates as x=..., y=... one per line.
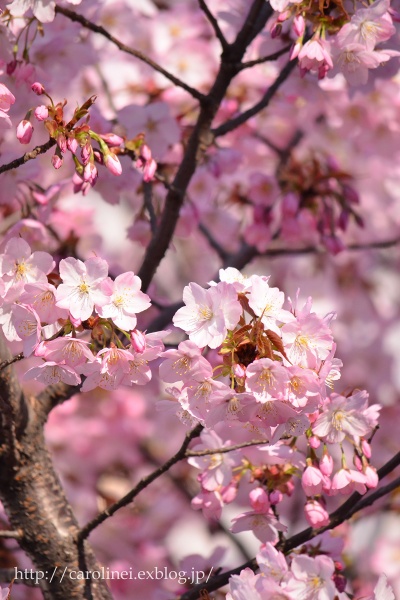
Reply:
x=126, y=300
x=82, y=287
x=208, y=314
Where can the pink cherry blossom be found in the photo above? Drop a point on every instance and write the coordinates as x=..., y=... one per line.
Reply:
x=343, y=416
x=184, y=363
x=265, y=526
x=316, y=514
x=24, y=132
x=82, y=288
x=27, y=326
x=6, y=100
x=312, y=481
x=19, y=266
x=208, y=314
x=52, y=373
x=42, y=298
x=65, y=350
x=312, y=578
x=125, y=300
x=267, y=379
x=267, y=304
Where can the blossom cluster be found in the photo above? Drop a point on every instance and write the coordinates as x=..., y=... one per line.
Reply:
x=307, y=578
x=51, y=321
x=352, y=49
x=71, y=136
x=255, y=370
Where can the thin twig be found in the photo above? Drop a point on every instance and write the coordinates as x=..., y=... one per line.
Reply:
x=264, y=59
x=234, y=123
x=28, y=156
x=222, y=253
x=7, y=363
x=214, y=24
x=74, y=16
x=143, y=483
x=225, y=449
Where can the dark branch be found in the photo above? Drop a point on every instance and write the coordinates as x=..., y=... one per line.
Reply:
x=214, y=24
x=263, y=103
x=7, y=363
x=222, y=253
x=200, y=139
x=143, y=483
x=264, y=59
x=73, y=16
x=14, y=164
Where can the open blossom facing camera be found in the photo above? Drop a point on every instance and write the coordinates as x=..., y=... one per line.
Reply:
x=208, y=314
x=82, y=286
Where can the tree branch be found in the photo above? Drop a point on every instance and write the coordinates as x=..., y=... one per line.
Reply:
x=224, y=449
x=234, y=123
x=200, y=139
x=143, y=483
x=264, y=59
x=74, y=16
x=214, y=24
x=32, y=494
x=354, y=504
x=28, y=156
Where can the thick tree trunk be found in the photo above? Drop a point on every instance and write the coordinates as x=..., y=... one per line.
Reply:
x=35, y=501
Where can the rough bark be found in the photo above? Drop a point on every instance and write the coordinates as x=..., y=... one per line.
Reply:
x=34, y=499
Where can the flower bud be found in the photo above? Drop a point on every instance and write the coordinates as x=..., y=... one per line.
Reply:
x=314, y=442
x=72, y=144
x=138, y=341
x=41, y=113
x=366, y=448
x=112, y=139
x=316, y=514
x=326, y=464
x=38, y=88
x=24, y=132
x=112, y=163
x=275, y=497
x=372, y=477
x=259, y=500
x=56, y=161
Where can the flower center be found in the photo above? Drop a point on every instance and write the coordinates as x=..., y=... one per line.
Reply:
x=205, y=313
x=84, y=287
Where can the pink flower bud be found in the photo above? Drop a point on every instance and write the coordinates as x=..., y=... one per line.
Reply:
x=38, y=88
x=259, y=500
x=90, y=173
x=138, y=341
x=357, y=463
x=86, y=153
x=372, y=478
x=149, y=170
x=366, y=448
x=72, y=144
x=326, y=464
x=24, y=132
x=311, y=481
x=145, y=152
x=112, y=139
x=316, y=514
x=276, y=30
x=41, y=113
x=314, y=442
x=112, y=163
x=62, y=142
x=299, y=25
x=56, y=161
x=275, y=497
